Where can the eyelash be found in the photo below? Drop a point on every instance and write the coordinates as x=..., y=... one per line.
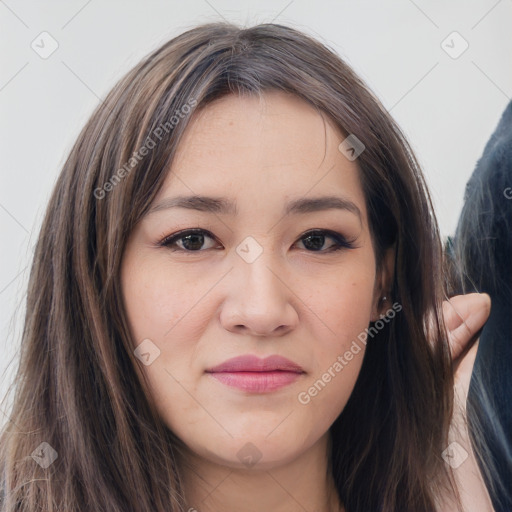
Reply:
x=340, y=240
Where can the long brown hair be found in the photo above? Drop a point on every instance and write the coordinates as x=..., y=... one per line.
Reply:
x=79, y=386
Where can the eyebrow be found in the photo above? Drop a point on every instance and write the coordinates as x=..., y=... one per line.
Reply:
x=225, y=206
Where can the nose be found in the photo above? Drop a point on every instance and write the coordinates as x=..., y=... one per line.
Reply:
x=259, y=301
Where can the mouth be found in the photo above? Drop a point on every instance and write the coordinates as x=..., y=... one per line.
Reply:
x=256, y=375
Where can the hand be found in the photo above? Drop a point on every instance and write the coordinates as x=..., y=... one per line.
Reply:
x=464, y=316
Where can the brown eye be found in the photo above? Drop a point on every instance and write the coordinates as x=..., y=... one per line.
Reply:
x=314, y=241
x=191, y=240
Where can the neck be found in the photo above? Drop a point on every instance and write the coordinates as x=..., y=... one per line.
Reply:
x=304, y=483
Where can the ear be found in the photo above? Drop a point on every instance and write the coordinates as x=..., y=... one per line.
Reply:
x=383, y=281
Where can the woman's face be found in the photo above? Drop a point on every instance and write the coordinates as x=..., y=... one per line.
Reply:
x=248, y=328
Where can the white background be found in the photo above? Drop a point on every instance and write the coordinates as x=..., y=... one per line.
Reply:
x=447, y=107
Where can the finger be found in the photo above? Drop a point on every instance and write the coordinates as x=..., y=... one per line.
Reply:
x=464, y=316
x=472, y=308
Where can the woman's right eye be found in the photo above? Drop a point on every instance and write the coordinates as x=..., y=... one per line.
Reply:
x=190, y=240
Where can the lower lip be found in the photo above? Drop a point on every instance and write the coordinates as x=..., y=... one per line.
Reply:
x=257, y=382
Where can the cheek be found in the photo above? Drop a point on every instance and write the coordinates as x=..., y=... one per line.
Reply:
x=343, y=304
x=171, y=315
x=344, y=312
x=168, y=313
x=159, y=308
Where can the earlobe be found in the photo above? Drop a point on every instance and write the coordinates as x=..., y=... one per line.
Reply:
x=382, y=295
x=379, y=306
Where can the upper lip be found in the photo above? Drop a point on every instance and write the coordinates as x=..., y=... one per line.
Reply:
x=249, y=363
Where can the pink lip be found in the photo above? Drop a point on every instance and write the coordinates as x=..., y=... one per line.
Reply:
x=250, y=373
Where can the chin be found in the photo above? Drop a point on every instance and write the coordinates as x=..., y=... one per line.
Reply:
x=256, y=451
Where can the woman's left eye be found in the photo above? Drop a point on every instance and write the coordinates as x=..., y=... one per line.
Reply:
x=315, y=240
x=193, y=240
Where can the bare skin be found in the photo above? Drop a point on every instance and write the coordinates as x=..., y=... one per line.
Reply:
x=202, y=307
x=464, y=316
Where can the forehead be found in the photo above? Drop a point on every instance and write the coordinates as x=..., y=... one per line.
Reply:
x=267, y=148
